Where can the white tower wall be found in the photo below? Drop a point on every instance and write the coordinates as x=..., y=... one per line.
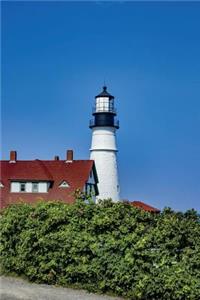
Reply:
x=103, y=152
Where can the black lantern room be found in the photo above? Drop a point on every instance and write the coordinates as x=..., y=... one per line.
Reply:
x=104, y=111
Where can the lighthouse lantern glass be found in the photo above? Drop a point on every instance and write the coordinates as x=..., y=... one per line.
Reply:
x=111, y=105
x=104, y=104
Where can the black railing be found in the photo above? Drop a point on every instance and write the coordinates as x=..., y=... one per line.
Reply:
x=91, y=124
x=116, y=123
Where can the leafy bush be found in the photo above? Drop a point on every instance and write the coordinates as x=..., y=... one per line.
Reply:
x=105, y=247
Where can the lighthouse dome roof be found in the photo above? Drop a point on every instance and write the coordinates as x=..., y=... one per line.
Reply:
x=104, y=93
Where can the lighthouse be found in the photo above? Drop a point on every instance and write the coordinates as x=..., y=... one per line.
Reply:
x=103, y=147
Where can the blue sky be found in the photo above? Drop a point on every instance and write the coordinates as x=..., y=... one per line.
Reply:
x=55, y=57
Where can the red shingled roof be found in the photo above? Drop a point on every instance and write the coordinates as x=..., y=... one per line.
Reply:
x=75, y=173
x=144, y=206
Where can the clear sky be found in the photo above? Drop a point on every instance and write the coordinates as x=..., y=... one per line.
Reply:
x=55, y=57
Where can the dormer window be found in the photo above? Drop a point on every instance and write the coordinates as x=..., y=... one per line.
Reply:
x=22, y=187
x=35, y=187
x=64, y=184
x=29, y=187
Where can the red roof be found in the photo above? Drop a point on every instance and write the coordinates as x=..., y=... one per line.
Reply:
x=75, y=173
x=144, y=206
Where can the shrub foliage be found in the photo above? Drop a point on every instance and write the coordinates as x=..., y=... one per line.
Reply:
x=105, y=247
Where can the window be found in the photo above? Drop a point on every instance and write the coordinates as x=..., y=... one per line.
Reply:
x=89, y=188
x=35, y=187
x=29, y=187
x=22, y=187
x=102, y=104
x=64, y=184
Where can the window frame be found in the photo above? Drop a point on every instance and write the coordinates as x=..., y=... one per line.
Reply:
x=37, y=187
x=20, y=187
x=89, y=189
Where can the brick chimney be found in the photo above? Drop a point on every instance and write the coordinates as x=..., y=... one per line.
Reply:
x=69, y=156
x=13, y=156
x=56, y=157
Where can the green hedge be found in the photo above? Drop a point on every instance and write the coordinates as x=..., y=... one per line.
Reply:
x=110, y=248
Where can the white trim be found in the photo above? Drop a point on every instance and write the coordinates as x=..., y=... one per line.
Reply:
x=1, y=185
x=64, y=184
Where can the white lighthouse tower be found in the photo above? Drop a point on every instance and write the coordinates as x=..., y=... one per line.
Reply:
x=103, y=149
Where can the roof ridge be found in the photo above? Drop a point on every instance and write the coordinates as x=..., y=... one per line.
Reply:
x=52, y=160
